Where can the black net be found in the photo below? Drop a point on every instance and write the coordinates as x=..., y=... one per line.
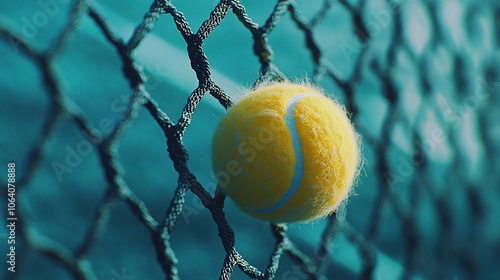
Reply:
x=431, y=165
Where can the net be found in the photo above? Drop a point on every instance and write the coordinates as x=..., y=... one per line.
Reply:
x=420, y=79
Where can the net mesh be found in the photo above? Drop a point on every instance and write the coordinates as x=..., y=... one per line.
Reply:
x=442, y=193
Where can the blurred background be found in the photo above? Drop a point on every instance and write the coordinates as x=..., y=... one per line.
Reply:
x=420, y=78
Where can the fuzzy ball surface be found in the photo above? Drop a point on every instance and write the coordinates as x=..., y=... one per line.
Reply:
x=286, y=153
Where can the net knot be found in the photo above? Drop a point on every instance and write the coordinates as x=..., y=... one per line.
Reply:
x=177, y=153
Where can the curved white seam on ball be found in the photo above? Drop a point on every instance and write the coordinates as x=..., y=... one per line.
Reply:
x=297, y=147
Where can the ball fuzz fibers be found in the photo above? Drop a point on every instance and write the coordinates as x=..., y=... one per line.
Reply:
x=286, y=153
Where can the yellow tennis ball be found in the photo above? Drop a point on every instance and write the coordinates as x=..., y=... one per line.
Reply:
x=286, y=153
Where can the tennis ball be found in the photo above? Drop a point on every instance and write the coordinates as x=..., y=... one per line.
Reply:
x=286, y=153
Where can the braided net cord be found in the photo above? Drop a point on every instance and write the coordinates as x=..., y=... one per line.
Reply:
x=451, y=250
